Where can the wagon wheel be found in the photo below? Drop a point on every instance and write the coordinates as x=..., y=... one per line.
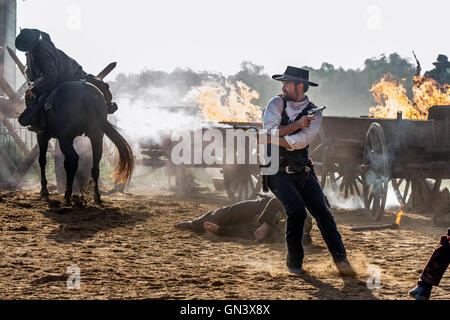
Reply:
x=180, y=180
x=418, y=193
x=344, y=179
x=402, y=189
x=315, y=153
x=242, y=182
x=376, y=172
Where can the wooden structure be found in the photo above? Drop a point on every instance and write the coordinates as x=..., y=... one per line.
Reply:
x=240, y=181
x=360, y=156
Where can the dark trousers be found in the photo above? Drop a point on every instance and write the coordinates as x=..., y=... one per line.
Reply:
x=438, y=262
x=286, y=188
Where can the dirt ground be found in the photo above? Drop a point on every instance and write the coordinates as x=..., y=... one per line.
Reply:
x=128, y=249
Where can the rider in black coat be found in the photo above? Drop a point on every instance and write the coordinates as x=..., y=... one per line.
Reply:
x=47, y=67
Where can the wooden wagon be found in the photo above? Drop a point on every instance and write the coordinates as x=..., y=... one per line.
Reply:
x=360, y=156
x=240, y=181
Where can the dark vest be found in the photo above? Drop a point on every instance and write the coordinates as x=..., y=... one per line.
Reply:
x=298, y=157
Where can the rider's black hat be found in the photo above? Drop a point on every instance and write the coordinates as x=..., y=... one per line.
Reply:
x=27, y=39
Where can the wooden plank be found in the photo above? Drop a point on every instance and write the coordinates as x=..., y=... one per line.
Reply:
x=6, y=161
x=19, y=142
x=8, y=108
x=15, y=102
x=22, y=170
x=9, y=91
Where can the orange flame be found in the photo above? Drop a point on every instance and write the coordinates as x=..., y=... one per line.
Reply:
x=399, y=217
x=227, y=102
x=117, y=179
x=391, y=97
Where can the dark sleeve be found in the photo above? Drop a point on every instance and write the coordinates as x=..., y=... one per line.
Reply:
x=49, y=76
x=269, y=215
x=29, y=69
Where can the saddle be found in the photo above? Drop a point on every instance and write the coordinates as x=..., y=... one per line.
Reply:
x=35, y=114
x=98, y=83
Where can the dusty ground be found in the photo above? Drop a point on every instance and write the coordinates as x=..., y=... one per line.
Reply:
x=130, y=250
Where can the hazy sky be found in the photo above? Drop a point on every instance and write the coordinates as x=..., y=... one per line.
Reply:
x=219, y=35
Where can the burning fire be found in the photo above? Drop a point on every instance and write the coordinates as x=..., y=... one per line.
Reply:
x=391, y=97
x=227, y=103
x=399, y=217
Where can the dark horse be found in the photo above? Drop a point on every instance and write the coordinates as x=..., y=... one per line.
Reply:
x=80, y=108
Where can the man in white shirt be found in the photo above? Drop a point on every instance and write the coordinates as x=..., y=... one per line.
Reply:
x=289, y=114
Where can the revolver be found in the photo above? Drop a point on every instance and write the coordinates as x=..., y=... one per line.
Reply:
x=315, y=111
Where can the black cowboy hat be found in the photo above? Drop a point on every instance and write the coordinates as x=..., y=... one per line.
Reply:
x=442, y=59
x=296, y=75
x=27, y=39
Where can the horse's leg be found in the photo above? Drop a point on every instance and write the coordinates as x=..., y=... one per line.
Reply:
x=97, y=150
x=70, y=165
x=43, y=139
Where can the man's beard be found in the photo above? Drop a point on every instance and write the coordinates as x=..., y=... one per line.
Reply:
x=289, y=97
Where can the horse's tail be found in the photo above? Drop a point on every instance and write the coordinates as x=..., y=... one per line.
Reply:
x=95, y=102
x=124, y=169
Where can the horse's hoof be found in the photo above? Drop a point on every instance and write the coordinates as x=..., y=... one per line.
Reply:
x=44, y=193
x=68, y=200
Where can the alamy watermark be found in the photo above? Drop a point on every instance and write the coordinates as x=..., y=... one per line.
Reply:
x=226, y=146
x=373, y=21
x=73, y=21
x=74, y=279
x=374, y=279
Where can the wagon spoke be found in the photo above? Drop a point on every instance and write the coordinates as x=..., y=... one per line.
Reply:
x=370, y=200
x=357, y=188
x=352, y=192
x=252, y=186
x=405, y=193
x=315, y=150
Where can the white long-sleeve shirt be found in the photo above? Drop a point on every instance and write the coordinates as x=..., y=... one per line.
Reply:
x=272, y=120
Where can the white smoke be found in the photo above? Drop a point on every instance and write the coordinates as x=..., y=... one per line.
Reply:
x=338, y=201
x=146, y=122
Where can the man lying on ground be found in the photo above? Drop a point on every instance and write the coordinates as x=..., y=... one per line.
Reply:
x=262, y=219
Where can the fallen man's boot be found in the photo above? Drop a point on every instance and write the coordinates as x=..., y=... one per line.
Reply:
x=186, y=225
